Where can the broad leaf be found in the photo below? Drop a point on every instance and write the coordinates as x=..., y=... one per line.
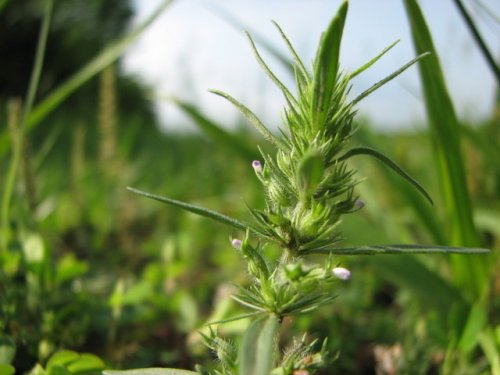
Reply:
x=259, y=346
x=86, y=363
x=63, y=357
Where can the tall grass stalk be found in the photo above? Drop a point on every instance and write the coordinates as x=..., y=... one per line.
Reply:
x=107, y=124
x=469, y=273
x=107, y=56
x=17, y=144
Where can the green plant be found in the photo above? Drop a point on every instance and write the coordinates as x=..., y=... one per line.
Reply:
x=308, y=187
x=42, y=307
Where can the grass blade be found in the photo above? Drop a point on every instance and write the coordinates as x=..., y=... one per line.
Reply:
x=469, y=273
x=30, y=98
x=388, y=78
x=288, y=95
x=216, y=132
x=195, y=210
x=298, y=62
x=390, y=163
x=326, y=64
x=479, y=40
x=259, y=347
x=400, y=249
x=150, y=371
x=490, y=345
x=106, y=57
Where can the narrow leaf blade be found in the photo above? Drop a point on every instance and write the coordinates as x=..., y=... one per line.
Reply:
x=389, y=78
x=390, y=163
x=150, y=371
x=251, y=117
x=373, y=61
x=195, y=210
x=400, y=249
x=326, y=64
x=469, y=274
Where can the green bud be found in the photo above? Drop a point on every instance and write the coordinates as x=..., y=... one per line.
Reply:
x=295, y=271
x=310, y=173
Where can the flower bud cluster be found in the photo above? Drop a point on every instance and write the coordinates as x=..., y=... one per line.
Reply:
x=308, y=187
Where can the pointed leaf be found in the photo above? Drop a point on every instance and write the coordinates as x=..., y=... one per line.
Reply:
x=259, y=346
x=233, y=319
x=399, y=249
x=150, y=371
x=390, y=77
x=251, y=117
x=476, y=321
x=288, y=95
x=326, y=64
x=373, y=61
x=297, y=59
x=195, y=210
x=261, y=40
x=390, y=163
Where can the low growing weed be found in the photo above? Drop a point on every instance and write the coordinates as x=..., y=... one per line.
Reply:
x=308, y=186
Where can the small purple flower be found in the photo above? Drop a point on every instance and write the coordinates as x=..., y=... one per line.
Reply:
x=257, y=166
x=341, y=273
x=236, y=243
x=359, y=204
